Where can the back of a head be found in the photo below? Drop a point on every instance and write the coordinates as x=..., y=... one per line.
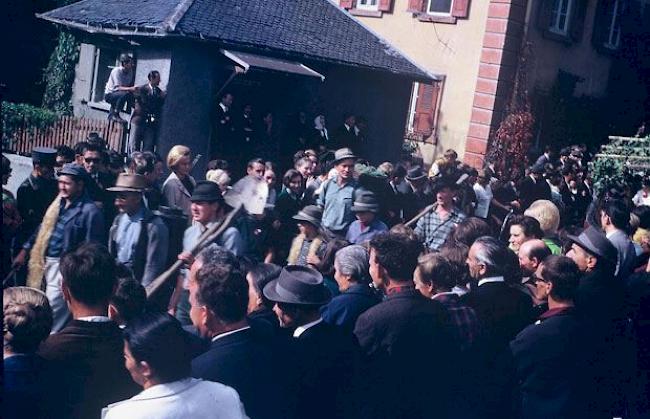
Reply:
x=142, y=163
x=261, y=274
x=223, y=290
x=492, y=253
x=618, y=212
x=397, y=254
x=89, y=274
x=469, y=230
x=353, y=262
x=535, y=249
x=457, y=258
x=129, y=299
x=159, y=340
x=564, y=274
x=27, y=319
x=547, y=214
x=436, y=269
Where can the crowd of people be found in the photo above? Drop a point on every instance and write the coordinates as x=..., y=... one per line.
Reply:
x=357, y=291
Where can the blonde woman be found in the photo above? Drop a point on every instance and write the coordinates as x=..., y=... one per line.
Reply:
x=179, y=186
x=27, y=381
x=220, y=177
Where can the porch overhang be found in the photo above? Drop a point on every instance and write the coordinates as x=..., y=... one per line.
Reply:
x=247, y=61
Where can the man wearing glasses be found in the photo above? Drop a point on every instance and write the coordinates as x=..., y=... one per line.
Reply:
x=100, y=180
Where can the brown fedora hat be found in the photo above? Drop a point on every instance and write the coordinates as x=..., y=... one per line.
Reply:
x=127, y=182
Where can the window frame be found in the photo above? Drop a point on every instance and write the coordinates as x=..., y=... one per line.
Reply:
x=556, y=15
x=366, y=7
x=97, y=85
x=447, y=14
x=613, y=24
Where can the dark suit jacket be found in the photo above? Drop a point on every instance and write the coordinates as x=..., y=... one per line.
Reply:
x=254, y=366
x=392, y=334
x=503, y=312
x=549, y=359
x=29, y=383
x=530, y=191
x=343, y=137
x=33, y=197
x=344, y=309
x=327, y=358
x=91, y=354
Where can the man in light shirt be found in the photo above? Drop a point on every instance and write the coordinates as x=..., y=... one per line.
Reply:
x=120, y=87
x=484, y=195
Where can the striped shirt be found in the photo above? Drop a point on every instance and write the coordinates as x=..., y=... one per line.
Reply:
x=463, y=318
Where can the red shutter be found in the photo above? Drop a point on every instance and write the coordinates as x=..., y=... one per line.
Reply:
x=425, y=108
x=385, y=5
x=460, y=8
x=347, y=4
x=415, y=6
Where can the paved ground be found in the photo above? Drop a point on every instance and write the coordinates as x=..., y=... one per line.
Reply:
x=22, y=167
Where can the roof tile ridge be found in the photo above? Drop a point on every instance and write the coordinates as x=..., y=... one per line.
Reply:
x=170, y=22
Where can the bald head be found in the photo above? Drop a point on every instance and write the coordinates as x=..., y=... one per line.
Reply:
x=531, y=255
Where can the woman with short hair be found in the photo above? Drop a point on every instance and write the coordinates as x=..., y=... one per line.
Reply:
x=351, y=272
x=156, y=354
x=27, y=380
x=177, y=189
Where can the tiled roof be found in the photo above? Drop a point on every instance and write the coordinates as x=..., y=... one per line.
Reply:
x=314, y=29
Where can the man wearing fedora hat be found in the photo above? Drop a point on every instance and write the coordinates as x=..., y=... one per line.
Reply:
x=208, y=208
x=336, y=196
x=435, y=227
x=138, y=238
x=416, y=192
x=601, y=303
x=367, y=225
x=326, y=356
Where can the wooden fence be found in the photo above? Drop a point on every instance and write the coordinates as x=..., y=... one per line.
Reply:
x=68, y=130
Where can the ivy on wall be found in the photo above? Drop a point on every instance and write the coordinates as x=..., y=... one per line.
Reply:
x=59, y=75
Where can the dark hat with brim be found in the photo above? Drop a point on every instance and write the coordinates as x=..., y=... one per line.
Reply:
x=298, y=285
x=311, y=214
x=44, y=155
x=73, y=169
x=206, y=191
x=365, y=202
x=127, y=182
x=343, y=154
x=415, y=173
x=596, y=243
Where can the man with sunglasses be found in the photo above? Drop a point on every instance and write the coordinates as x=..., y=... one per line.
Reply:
x=138, y=238
x=99, y=180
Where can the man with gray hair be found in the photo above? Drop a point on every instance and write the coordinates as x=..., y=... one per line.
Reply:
x=503, y=312
x=352, y=276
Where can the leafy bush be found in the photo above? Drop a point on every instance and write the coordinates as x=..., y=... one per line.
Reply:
x=18, y=115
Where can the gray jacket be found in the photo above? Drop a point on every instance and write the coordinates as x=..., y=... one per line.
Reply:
x=149, y=257
x=176, y=195
x=626, y=253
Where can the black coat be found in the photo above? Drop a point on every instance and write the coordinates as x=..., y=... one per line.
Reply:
x=252, y=365
x=91, y=354
x=401, y=337
x=327, y=358
x=344, y=137
x=502, y=312
x=33, y=197
x=530, y=191
x=549, y=360
x=344, y=309
x=28, y=388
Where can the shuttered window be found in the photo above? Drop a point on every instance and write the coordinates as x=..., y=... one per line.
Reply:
x=424, y=108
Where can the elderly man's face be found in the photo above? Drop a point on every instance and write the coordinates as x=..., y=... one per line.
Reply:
x=580, y=257
x=286, y=314
x=375, y=270
x=476, y=268
x=197, y=311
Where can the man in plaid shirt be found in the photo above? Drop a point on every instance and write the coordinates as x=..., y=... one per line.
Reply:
x=434, y=228
x=434, y=279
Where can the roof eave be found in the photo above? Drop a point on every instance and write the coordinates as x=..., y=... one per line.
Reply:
x=154, y=31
